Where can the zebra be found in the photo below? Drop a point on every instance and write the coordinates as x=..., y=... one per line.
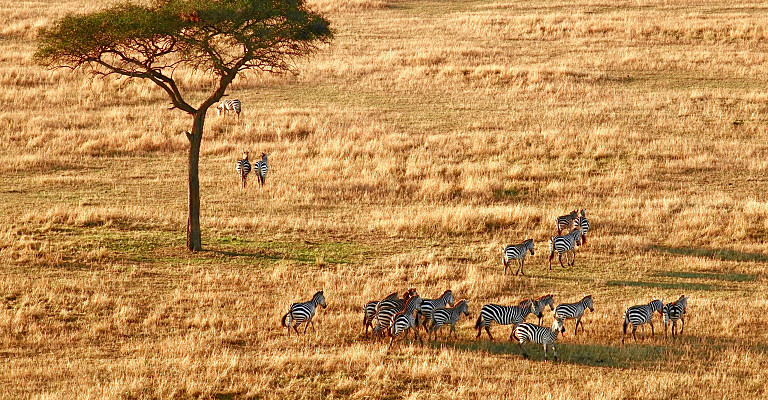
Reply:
x=526, y=332
x=299, y=313
x=564, y=244
x=442, y=316
x=583, y=223
x=541, y=303
x=517, y=252
x=675, y=311
x=574, y=311
x=261, y=168
x=429, y=305
x=394, y=302
x=404, y=320
x=566, y=221
x=504, y=315
x=383, y=317
x=227, y=106
x=243, y=167
x=369, y=311
x=640, y=315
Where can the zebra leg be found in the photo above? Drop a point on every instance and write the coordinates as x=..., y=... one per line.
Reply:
x=295, y=328
x=545, y=352
x=652, y=332
x=576, y=331
x=682, y=324
x=554, y=351
x=489, y=331
x=551, y=256
x=307, y=326
x=634, y=329
x=522, y=350
x=624, y=331
x=520, y=269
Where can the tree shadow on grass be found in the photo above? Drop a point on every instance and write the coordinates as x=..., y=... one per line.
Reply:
x=730, y=277
x=685, y=286
x=718, y=254
x=593, y=355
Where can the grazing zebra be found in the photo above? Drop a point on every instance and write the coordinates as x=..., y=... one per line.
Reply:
x=639, y=316
x=299, y=313
x=261, y=168
x=504, y=315
x=574, y=311
x=526, y=332
x=243, y=167
x=369, y=311
x=564, y=244
x=442, y=316
x=404, y=321
x=517, y=252
x=227, y=106
x=566, y=221
x=673, y=312
x=583, y=224
x=541, y=303
x=429, y=305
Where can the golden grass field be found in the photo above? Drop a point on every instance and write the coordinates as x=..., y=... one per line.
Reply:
x=406, y=154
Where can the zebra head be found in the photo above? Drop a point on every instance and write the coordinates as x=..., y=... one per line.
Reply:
x=245, y=154
x=463, y=307
x=531, y=306
x=583, y=213
x=587, y=301
x=409, y=293
x=529, y=246
x=558, y=326
x=319, y=298
x=546, y=300
x=657, y=305
x=219, y=108
x=448, y=297
x=264, y=157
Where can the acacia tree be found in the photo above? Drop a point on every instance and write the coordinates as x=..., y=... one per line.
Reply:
x=222, y=37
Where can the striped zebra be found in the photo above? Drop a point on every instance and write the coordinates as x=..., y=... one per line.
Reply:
x=583, y=223
x=639, y=316
x=429, y=305
x=442, y=316
x=299, y=313
x=383, y=317
x=404, y=321
x=226, y=106
x=261, y=169
x=369, y=311
x=504, y=315
x=574, y=311
x=517, y=252
x=395, y=302
x=526, y=332
x=541, y=303
x=673, y=312
x=564, y=244
x=566, y=222
x=243, y=167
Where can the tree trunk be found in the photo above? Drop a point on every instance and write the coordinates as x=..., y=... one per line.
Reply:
x=194, y=241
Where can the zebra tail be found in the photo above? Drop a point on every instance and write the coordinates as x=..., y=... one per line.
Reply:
x=479, y=322
x=282, y=322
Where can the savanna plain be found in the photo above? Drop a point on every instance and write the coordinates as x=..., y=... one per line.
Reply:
x=407, y=153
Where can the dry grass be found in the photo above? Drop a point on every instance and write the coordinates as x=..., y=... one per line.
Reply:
x=406, y=154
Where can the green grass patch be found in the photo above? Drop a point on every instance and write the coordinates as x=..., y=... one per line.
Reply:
x=730, y=277
x=669, y=286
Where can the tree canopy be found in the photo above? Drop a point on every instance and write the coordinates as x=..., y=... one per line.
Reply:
x=223, y=37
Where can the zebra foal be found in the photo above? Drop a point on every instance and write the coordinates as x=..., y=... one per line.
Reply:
x=526, y=332
x=517, y=252
x=566, y=221
x=639, y=316
x=299, y=313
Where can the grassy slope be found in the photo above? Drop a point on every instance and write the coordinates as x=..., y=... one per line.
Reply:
x=405, y=155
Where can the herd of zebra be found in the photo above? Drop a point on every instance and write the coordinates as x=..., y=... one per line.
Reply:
x=395, y=315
